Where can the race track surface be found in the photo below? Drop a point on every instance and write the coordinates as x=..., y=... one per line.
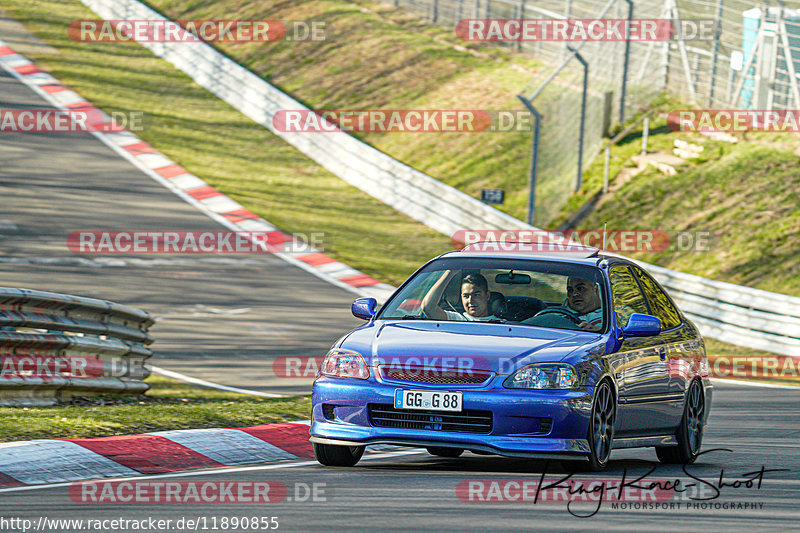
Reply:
x=406, y=490
x=228, y=332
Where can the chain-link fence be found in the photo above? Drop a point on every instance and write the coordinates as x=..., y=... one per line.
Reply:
x=750, y=59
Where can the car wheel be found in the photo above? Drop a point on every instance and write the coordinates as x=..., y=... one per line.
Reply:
x=333, y=455
x=601, y=432
x=443, y=451
x=690, y=432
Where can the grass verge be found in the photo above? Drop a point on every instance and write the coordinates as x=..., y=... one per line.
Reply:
x=214, y=141
x=169, y=404
x=277, y=182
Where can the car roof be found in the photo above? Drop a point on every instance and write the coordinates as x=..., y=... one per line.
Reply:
x=577, y=255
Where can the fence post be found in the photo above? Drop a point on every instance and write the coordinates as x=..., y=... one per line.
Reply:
x=579, y=57
x=645, y=134
x=717, y=33
x=606, y=166
x=625, y=64
x=534, y=158
x=521, y=18
x=434, y=11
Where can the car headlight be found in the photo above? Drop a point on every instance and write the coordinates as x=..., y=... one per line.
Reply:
x=340, y=363
x=544, y=376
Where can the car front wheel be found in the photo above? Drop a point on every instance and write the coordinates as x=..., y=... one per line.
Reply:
x=333, y=455
x=601, y=432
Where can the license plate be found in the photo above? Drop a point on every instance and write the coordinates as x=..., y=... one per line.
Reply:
x=432, y=400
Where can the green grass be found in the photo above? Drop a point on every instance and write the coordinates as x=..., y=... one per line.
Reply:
x=168, y=405
x=744, y=196
x=240, y=158
x=747, y=194
x=378, y=57
x=716, y=349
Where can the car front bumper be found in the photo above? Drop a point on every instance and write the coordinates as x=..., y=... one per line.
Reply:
x=516, y=428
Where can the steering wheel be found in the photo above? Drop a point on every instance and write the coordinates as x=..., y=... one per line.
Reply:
x=451, y=306
x=572, y=315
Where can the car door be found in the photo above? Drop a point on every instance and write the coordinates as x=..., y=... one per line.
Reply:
x=679, y=342
x=644, y=384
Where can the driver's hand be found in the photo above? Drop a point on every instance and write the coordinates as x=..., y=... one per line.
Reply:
x=588, y=327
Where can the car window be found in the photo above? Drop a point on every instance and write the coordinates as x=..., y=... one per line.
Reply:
x=659, y=302
x=517, y=292
x=626, y=295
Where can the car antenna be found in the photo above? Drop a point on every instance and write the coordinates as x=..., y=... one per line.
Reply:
x=605, y=224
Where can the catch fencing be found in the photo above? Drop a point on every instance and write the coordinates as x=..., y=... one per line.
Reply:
x=749, y=60
x=56, y=346
x=724, y=311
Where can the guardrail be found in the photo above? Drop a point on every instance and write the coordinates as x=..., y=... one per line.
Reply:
x=734, y=314
x=55, y=346
x=721, y=310
x=410, y=191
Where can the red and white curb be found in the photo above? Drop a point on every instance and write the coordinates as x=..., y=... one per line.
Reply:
x=39, y=462
x=189, y=187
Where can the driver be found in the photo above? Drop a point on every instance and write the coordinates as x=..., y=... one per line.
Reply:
x=583, y=297
x=474, y=298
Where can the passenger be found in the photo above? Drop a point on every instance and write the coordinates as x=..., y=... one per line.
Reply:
x=474, y=298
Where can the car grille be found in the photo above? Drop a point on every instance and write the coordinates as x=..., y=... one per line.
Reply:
x=467, y=421
x=436, y=375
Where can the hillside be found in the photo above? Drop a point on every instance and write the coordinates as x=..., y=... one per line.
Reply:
x=745, y=195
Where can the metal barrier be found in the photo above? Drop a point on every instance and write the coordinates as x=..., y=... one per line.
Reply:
x=734, y=314
x=410, y=191
x=55, y=346
x=723, y=311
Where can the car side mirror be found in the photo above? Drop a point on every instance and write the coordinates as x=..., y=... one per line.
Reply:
x=365, y=308
x=641, y=325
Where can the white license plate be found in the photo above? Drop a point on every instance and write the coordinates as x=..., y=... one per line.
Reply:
x=432, y=400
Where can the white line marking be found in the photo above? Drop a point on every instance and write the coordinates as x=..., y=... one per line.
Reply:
x=210, y=472
x=718, y=381
x=211, y=385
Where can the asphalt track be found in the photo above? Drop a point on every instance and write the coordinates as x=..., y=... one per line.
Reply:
x=405, y=490
x=227, y=332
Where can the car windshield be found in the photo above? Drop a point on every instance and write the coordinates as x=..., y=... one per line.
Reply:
x=542, y=293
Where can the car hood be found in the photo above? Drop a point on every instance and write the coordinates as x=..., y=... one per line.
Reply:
x=501, y=348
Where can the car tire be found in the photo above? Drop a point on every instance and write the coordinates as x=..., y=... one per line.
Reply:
x=690, y=431
x=333, y=455
x=600, y=434
x=443, y=451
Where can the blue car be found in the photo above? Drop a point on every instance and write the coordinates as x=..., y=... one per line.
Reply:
x=517, y=353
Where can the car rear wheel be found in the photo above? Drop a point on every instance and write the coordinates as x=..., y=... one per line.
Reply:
x=601, y=432
x=443, y=451
x=690, y=432
x=333, y=455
